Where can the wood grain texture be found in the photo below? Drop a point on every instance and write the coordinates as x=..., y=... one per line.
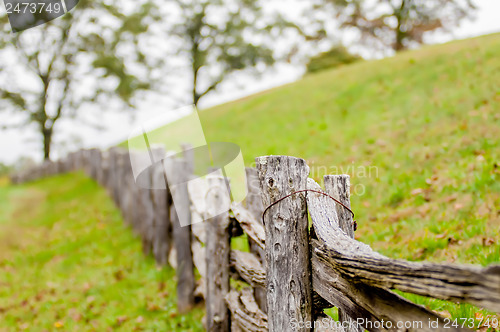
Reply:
x=198, y=189
x=218, y=247
x=460, y=283
x=288, y=264
x=338, y=186
x=357, y=299
x=250, y=225
x=255, y=207
x=181, y=235
x=249, y=268
x=245, y=311
x=162, y=234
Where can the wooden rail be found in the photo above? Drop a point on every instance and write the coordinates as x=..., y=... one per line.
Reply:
x=292, y=271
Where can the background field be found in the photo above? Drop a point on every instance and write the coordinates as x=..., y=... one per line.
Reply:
x=419, y=131
x=68, y=263
x=425, y=124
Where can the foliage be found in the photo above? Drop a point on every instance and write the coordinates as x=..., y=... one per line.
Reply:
x=397, y=24
x=337, y=56
x=5, y=169
x=423, y=127
x=90, y=56
x=68, y=263
x=222, y=37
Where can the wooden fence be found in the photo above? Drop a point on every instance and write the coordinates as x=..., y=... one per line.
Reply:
x=293, y=271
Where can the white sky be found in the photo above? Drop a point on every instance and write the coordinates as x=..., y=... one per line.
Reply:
x=25, y=142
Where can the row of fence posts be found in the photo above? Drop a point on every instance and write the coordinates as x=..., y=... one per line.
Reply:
x=148, y=208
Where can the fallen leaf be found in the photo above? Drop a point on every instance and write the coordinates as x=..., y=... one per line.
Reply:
x=86, y=287
x=58, y=324
x=417, y=191
x=120, y=320
x=119, y=275
x=24, y=326
x=488, y=241
x=444, y=313
x=451, y=198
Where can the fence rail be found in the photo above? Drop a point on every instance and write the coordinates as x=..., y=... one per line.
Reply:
x=292, y=271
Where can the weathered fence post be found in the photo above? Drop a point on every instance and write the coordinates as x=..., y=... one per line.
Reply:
x=288, y=264
x=145, y=216
x=105, y=169
x=162, y=225
x=112, y=181
x=338, y=186
x=95, y=163
x=218, y=248
x=254, y=205
x=129, y=191
x=180, y=211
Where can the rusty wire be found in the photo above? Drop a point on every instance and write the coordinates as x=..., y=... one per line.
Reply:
x=354, y=223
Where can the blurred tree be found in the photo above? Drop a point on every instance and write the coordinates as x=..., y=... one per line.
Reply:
x=338, y=55
x=5, y=169
x=397, y=24
x=220, y=37
x=89, y=56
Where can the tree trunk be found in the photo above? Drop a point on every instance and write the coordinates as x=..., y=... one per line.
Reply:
x=400, y=34
x=47, y=142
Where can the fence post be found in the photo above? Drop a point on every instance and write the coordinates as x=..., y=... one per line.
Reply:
x=161, y=237
x=254, y=206
x=338, y=186
x=145, y=215
x=180, y=210
x=95, y=162
x=288, y=264
x=218, y=248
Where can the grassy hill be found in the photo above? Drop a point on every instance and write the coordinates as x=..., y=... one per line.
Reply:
x=68, y=263
x=419, y=133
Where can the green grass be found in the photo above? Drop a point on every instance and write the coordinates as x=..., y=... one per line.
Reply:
x=419, y=133
x=68, y=263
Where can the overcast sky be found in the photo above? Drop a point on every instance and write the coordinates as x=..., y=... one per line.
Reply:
x=16, y=143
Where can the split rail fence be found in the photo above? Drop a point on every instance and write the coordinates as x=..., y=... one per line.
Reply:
x=293, y=271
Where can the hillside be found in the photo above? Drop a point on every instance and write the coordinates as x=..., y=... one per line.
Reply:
x=418, y=133
x=68, y=263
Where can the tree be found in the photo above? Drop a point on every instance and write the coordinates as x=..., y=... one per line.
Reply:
x=336, y=56
x=398, y=24
x=90, y=56
x=220, y=37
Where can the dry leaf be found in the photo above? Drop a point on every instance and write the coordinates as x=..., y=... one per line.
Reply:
x=120, y=320
x=119, y=275
x=444, y=313
x=488, y=241
x=417, y=191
